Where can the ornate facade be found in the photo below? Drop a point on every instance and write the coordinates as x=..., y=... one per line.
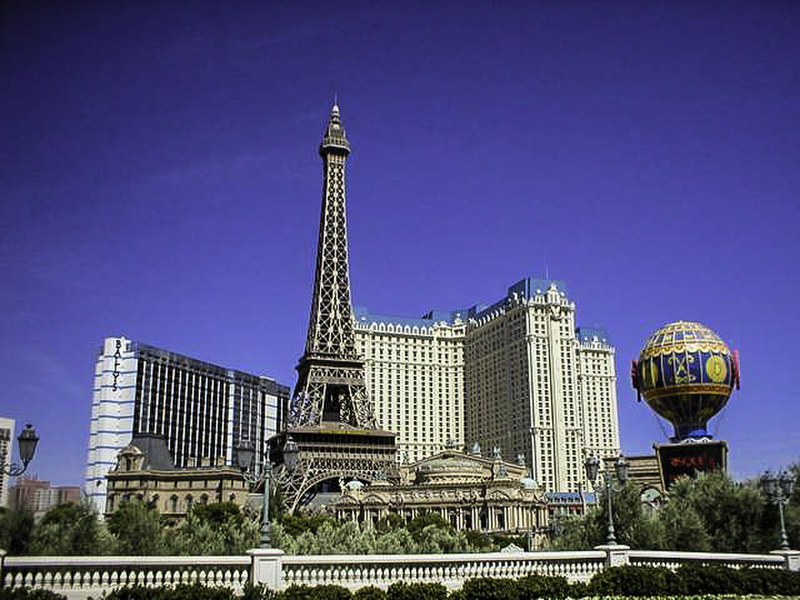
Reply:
x=468, y=490
x=144, y=471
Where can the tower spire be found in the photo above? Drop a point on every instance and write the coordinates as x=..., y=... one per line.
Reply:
x=335, y=137
x=331, y=384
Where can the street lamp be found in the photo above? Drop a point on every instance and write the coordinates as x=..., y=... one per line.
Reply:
x=778, y=489
x=592, y=470
x=27, y=442
x=254, y=476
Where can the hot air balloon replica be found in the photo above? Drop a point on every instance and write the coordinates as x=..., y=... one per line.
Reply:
x=686, y=374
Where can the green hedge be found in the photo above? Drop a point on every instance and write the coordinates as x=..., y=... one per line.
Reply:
x=195, y=591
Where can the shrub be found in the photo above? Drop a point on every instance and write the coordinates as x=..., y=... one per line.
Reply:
x=27, y=594
x=259, y=592
x=416, y=591
x=716, y=579
x=541, y=586
x=487, y=588
x=318, y=592
x=709, y=579
x=635, y=581
x=195, y=591
x=369, y=593
x=770, y=581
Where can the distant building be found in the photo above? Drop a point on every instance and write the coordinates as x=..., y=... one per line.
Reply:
x=203, y=411
x=6, y=451
x=568, y=504
x=144, y=471
x=469, y=491
x=40, y=496
x=517, y=375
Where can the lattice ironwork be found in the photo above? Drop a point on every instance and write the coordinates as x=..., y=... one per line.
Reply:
x=347, y=459
x=331, y=384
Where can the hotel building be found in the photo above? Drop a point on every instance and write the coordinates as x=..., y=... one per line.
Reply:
x=517, y=375
x=202, y=410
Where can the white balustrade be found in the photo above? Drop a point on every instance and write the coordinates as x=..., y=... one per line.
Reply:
x=81, y=577
x=673, y=560
x=450, y=569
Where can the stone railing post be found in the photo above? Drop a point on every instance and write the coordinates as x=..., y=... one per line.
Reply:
x=2, y=564
x=616, y=554
x=791, y=559
x=266, y=567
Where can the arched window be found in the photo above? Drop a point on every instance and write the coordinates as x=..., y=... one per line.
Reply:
x=173, y=504
x=128, y=463
x=204, y=498
x=110, y=503
x=189, y=502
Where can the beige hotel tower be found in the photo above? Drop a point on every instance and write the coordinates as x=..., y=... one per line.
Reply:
x=516, y=375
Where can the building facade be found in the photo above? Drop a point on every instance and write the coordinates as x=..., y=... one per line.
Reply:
x=202, y=410
x=414, y=370
x=6, y=450
x=144, y=471
x=517, y=375
x=470, y=491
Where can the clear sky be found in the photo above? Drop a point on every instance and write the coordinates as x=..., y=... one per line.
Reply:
x=159, y=178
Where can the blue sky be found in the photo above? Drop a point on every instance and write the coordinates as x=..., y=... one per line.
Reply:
x=160, y=180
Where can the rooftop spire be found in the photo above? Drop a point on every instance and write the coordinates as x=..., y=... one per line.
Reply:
x=335, y=137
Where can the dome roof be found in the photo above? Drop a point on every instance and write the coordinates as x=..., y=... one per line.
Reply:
x=450, y=466
x=683, y=336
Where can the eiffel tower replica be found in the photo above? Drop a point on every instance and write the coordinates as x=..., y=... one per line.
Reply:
x=331, y=419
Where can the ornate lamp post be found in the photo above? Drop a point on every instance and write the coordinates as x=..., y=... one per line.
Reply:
x=27, y=441
x=592, y=470
x=244, y=456
x=778, y=489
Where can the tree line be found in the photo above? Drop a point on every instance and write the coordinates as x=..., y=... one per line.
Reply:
x=710, y=512
x=707, y=513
